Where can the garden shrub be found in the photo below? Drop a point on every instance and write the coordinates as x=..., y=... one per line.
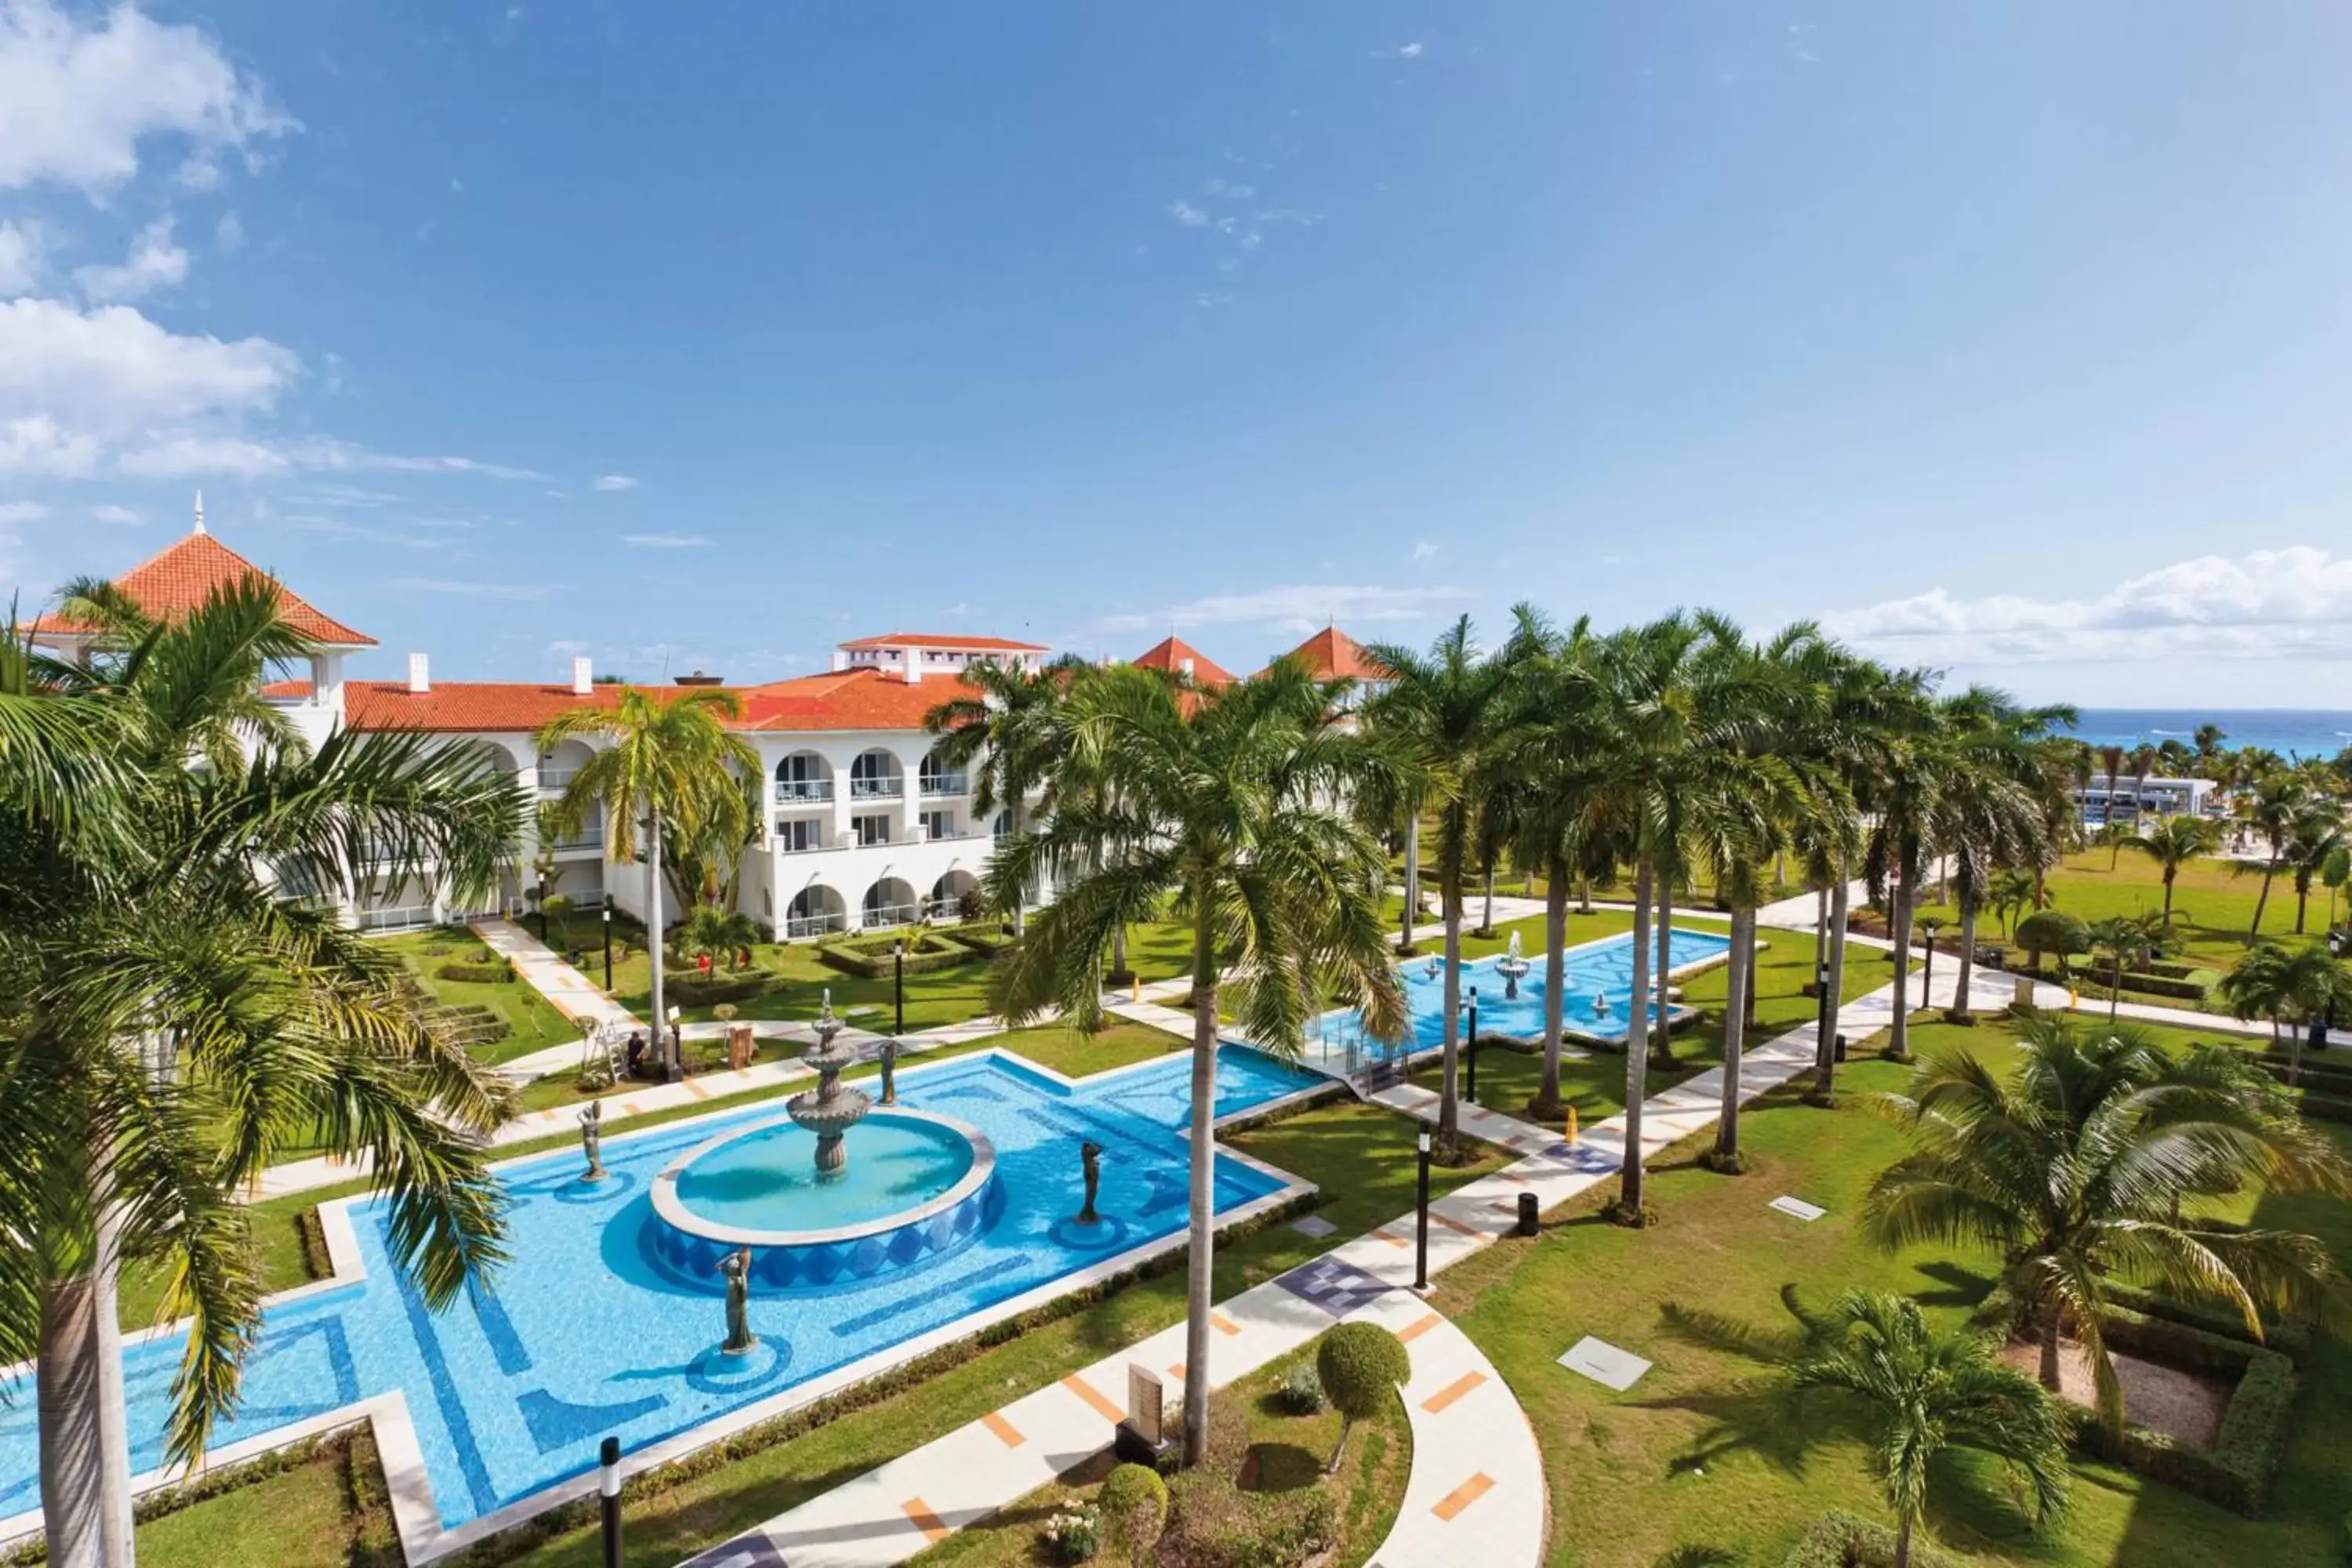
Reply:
x=1212, y=1523
x=1133, y=1505
x=2052, y=931
x=925, y=954
x=1841, y=1540
x=1361, y=1366
x=985, y=940
x=2291, y=1337
x=2237, y=1471
x=1302, y=1391
x=1074, y=1533
x=693, y=991
x=496, y=973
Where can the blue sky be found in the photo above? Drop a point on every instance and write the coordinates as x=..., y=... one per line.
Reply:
x=2006, y=338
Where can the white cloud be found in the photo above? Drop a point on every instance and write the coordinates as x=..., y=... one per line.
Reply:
x=35, y=444
x=1411, y=51
x=1229, y=189
x=1298, y=607
x=20, y=258
x=79, y=94
x=154, y=262
x=110, y=371
x=665, y=541
x=471, y=588
x=118, y=515
x=2266, y=603
x=1188, y=215
x=614, y=484
x=22, y=511
x=177, y=457
x=229, y=234
x=1423, y=550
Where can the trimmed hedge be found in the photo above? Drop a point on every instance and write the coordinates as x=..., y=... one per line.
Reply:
x=2291, y=1337
x=985, y=940
x=2237, y=1471
x=1842, y=1539
x=693, y=991
x=498, y=974
x=925, y=954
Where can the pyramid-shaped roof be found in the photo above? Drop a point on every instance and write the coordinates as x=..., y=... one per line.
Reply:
x=1172, y=653
x=1332, y=655
x=181, y=577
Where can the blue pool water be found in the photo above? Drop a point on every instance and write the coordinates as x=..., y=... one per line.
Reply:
x=768, y=1180
x=1602, y=969
x=582, y=1335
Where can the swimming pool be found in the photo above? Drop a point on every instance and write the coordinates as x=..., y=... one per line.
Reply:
x=1596, y=994
x=584, y=1334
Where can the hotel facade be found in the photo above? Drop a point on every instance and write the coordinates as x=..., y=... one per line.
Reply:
x=863, y=825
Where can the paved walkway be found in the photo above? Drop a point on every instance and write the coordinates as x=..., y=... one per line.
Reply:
x=562, y=985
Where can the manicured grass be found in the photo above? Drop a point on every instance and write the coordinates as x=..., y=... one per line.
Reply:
x=1076, y=1055
x=1287, y=1451
x=299, y=1518
x=532, y=1023
x=1699, y=1454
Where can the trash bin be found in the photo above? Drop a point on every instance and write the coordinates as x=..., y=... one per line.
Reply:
x=1840, y=1048
x=1526, y=1213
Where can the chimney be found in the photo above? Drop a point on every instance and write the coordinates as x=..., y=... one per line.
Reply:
x=914, y=664
x=582, y=680
x=420, y=677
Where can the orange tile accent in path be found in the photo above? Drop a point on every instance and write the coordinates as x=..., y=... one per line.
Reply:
x=1453, y=1391
x=1407, y=1335
x=1224, y=1324
x=1449, y=1222
x=1006, y=1432
x=1094, y=1398
x=1463, y=1496
x=918, y=1514
x=1392, y=1239
x=1176, y=1370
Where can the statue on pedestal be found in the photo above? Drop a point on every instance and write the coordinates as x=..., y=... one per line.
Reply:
x=737, y=1267
x=1091, y=1152
x=890, y=1070
x=591, y=1140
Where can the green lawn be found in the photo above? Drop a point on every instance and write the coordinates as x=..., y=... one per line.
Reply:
x=1695, y=1456
x=533, y=1022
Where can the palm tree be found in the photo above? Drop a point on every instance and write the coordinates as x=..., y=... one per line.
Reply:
x=2009, y=893
x=712, y=932
x=2172, y=843
x=1011, y=729
x=2288, y=986
x=670, y=760
x=2121, y=939
x=183, y=1006
x=2209, y=742
x=2111, y=758
x=2003, y=781
x=2277, y=804
x=1438, y=714
x=2316, y=837
x=2143, y=763
x=2087, y=1165
x=1920, y=1394
x=1219, y=805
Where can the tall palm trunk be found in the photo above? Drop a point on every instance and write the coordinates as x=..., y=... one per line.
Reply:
x=662, y=1053
x=2169, y=873
x=1964, y=974
x=1637, y=1059
x=1825, y=1056
x=2302, y=899
x=1735, y=1001
x=1118, y=954
x=1903, y=1543
x=2262, y=899
x=2049, y=1367
x=1199, y=1265
x=1584, y=894
x=1547, y=1101
x=1449, y=1109
x=1898, y=1033
x=1486, y=926
x=1412, y=879
x=72, y=1456
x=1664, y=1057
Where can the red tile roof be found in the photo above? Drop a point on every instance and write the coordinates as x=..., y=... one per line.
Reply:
x=1332, y=655
x=180, y=578
x=933, y=640
x=842, y=700
x=1170, y=654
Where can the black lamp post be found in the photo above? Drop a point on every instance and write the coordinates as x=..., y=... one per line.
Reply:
x=608, y=1499
x=1473, y=1045
x=608, y=946
x=1420, y=1243
x=1927, y=974
x=898, y=986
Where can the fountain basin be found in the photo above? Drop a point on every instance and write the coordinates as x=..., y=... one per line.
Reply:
x=916, y=1186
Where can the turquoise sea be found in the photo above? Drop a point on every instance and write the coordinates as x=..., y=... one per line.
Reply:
x=2289, y=732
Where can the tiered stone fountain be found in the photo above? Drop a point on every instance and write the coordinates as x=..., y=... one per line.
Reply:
x=1513, y=968
x=829, y=1111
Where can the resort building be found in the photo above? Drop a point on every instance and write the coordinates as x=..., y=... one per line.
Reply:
x=864, y=825
x=2103, y=797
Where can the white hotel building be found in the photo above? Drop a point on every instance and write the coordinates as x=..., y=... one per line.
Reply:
x=864, y=826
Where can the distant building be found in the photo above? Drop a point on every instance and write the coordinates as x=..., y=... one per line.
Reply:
x=2108, y=797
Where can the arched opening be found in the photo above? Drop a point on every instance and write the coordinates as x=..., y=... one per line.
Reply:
x=888, y=902
x=815, y=911
x=801, y=778
x=875, y=776
x=939, y=778
x=1002, y=828
x=954, y=896
x=558, y=767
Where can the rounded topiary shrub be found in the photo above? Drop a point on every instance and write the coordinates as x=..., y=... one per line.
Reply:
x=1133, y=1507
x=1359, y=1364
x=2052, y=931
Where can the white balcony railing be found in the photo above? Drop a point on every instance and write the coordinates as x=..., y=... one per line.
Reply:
x=401, y=917
x=787, y=845
x=942, y=786
x=799, y=927
x=793, y=792
x=553, y=781
x=889, y=915
x=941, y=910
x=876, y=789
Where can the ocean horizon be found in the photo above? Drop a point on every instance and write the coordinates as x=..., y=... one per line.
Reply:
x=2290, y=732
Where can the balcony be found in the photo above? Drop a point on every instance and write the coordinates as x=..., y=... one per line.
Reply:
x=587, y=838
x=876, y=789
x=945, y=786
x=403, y=917
x=803, y=792
x=883, y=917
x=554, y=781
x=800, y=927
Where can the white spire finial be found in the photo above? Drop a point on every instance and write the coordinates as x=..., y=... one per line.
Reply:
x=200, y=512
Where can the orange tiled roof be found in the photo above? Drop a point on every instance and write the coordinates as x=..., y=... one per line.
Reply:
x=1332, y=655
x=1170, y=654
x=180, y=578
x=841, y=699
x=933, y=640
